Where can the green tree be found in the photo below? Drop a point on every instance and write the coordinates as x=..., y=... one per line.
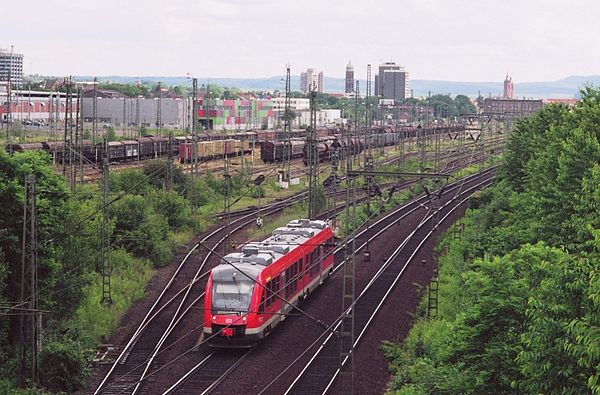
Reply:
x=463, y=105
x=140, y=230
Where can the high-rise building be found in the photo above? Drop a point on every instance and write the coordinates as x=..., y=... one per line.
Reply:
x=11, y=65
x=311, y=79
x=392, y=82
x=508, y=88
x=349, y=78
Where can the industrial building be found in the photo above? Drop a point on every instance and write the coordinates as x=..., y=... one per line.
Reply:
x=11, y=66
x=296, y=103
x=140, y=111
x=392, y=82
x=219, y=114
x=512, y=107
x=28, y=107
x=323, y=118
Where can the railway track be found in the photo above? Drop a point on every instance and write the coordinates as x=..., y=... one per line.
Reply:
x=170, y=308
x=311, y=380
x=146, y=344
x=323, y=368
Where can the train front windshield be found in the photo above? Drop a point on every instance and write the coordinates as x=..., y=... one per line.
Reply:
x=231, y=295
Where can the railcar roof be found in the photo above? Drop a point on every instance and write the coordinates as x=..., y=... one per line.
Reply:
x=283, y=240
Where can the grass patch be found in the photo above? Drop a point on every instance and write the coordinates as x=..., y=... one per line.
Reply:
x=294, y=212
x=96, y=321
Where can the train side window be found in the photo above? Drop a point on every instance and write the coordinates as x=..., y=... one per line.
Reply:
x=276, y=287
x=314, y=269
x=272, y=290
x=299, y=269
x=269, y=294
x=295, y=275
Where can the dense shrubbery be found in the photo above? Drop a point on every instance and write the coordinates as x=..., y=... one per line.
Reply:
x=148, y=223
x=62, y=366
x=519, y=298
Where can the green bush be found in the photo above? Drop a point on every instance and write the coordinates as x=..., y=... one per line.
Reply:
x=199, y=193
x=140, y=230
x=131, y=181
x=7, y=388
x=171, y=206
x=62, y=366
x=258, y=191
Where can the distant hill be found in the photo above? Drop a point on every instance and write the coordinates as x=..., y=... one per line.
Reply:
x=565, y=88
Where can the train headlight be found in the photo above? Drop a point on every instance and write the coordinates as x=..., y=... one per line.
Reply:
x=244, y=319
x=214, y=317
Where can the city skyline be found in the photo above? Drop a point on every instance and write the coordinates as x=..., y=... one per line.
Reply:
x=454, y=41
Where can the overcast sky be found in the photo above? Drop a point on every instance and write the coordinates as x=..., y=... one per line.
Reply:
x=461, y=40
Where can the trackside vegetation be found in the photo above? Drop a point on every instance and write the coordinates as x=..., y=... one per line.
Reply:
x=149, y=224
x=519, y=299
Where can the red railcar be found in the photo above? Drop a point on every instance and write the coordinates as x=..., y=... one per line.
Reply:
x=251, y=291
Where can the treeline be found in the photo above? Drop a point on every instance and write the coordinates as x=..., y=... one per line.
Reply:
x=519, y=293
x=148, y=224
x=442, y=107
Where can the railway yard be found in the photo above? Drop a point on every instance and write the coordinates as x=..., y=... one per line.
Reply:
x=160, y=347
x=299, y=198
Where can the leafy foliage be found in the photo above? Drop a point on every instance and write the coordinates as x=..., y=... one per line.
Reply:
x=62, y=366
x=519, y=300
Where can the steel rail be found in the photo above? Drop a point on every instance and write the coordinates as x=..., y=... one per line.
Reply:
x=377, y=276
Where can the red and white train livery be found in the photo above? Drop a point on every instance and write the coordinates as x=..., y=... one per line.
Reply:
x=251, y=291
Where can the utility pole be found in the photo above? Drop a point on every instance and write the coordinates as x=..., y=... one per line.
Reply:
x=332, y=180
x=95, y=111
x=105, y=230
x=158, y=110
x=356, y=128
x=368, y=156
x=132, y=132
x=436, y=161
x=51, y=116
x=287, y=152
x=169, y=178
x=72, y=140
x=79, y=134
x=482, y=143
x=432, y=303
x=421, y=147
x=348, y=294
x=123, y=123
x=227, y=203
x=9, y=119
x=368, y=118
x=313, y=156
x=67, y=140
x=195, y=168
x=30, y=322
